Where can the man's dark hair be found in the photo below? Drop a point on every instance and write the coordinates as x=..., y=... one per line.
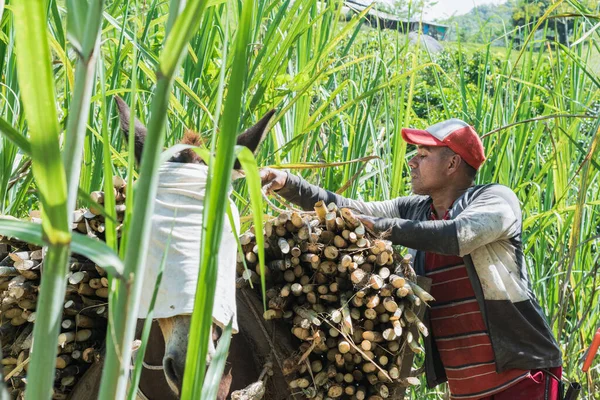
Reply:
x=471, y=172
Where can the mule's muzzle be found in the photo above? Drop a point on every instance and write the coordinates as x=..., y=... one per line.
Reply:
x=174, y=372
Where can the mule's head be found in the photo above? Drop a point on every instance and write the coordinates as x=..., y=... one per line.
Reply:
x=251, y=138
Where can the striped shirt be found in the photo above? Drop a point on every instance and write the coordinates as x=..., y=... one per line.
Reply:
x=460, y=333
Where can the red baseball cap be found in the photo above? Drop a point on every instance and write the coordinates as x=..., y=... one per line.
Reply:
x=455, y=134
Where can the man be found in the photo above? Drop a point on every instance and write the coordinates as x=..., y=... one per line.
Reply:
x=490, y=339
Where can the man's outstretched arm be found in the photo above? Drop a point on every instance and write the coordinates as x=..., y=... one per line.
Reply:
x=298, y=191
x=493, y=215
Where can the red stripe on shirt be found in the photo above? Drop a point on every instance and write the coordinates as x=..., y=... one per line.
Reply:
x=485, y=384
x=452, y=309
x=462, y=341
x=460, y=334
x=464, y=320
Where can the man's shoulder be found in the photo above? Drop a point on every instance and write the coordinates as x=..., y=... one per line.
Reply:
x=413, y=206
x=495, y=191
x=414, y=199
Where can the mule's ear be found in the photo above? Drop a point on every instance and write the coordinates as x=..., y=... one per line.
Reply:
x=140, y=129
x=252, y=137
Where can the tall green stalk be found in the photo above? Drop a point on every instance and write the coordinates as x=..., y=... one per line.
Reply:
x=37, y=91
x=575, y=237
x=124, y=310
x=88, y=36
x=219, y=178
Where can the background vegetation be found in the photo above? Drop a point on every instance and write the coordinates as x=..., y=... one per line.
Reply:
x=343, y=92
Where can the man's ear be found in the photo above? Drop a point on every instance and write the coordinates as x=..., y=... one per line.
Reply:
x=455, y=163
x=252, y=137
x=140, y=129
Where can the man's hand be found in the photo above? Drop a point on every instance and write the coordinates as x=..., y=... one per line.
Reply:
x=368, y=222
x=272, y=179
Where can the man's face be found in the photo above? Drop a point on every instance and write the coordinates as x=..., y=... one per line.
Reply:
x=429, y=169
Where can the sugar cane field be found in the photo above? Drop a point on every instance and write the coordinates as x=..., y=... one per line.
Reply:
x=95, y=245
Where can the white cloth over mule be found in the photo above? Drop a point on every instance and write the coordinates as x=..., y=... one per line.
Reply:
x=179, y=206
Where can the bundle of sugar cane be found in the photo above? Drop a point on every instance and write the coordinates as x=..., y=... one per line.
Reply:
x=91, y=221
x=83, y=324
x=348, y=297
x=83, y=327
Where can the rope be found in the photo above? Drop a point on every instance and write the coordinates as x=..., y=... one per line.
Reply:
x=152, y=367
x=264, y=331
x=282, y=201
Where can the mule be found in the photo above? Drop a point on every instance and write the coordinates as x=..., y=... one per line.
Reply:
x=167, y=346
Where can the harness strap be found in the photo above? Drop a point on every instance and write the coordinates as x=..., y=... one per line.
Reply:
x=140, y=395
x=152, y=367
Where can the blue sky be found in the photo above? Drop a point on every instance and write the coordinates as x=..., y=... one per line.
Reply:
x=445, y=8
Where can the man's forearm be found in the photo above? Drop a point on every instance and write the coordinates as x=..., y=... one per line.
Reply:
x=430, y=236
x=302, y=193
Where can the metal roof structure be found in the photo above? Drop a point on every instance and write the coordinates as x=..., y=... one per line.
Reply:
x=382, y=19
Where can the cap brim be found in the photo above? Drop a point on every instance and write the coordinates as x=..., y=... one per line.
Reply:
x=420, y=137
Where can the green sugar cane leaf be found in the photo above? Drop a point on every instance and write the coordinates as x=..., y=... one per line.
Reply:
x=87, y=199
x=248, y=162
x=180, y=35
x=99, y=253
x=217, y=366
x=219, y=177
x=36, y=81
x=315, y=165
x=237, y=239
x=91, y=248
x=76, y=17
x=14, y=136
